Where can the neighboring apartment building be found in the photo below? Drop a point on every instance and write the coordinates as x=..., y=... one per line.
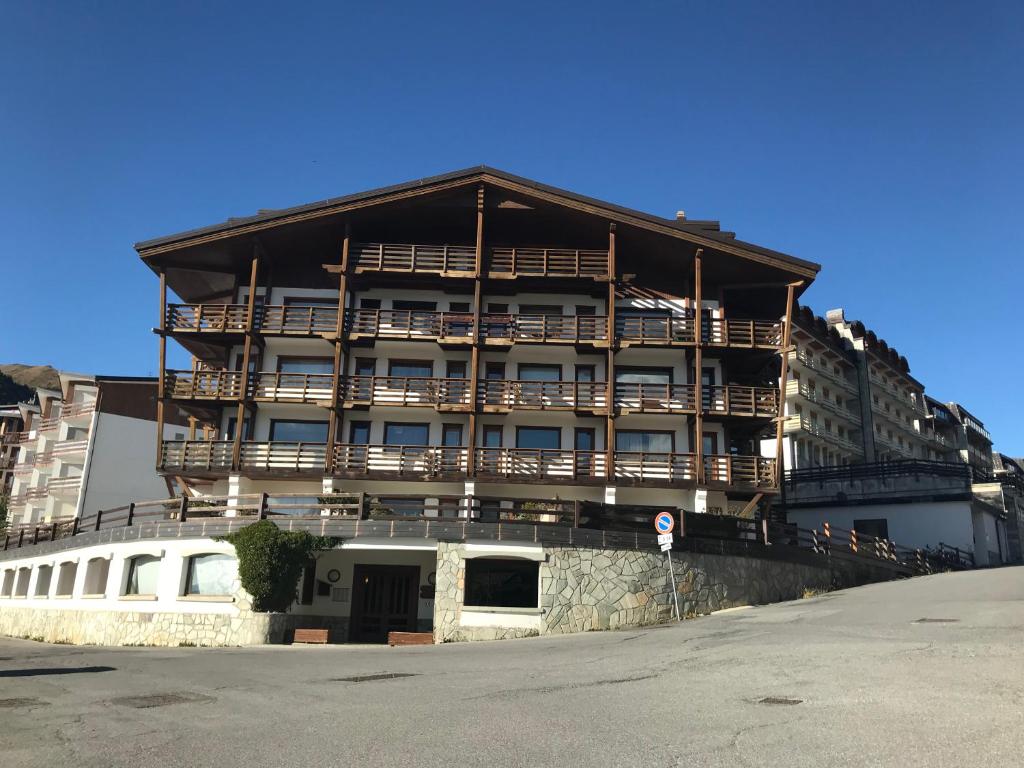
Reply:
x=474, y=347
x=973, y=442
x=87, y=447
x=1009, y=472
x=12, y=423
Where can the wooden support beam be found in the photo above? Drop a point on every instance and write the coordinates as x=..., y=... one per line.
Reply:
x=335, y=426
x=474, y=361
x=162, y=372
x=751, y=504
x=787, y=335
x=610, y=372
x=250, y=325
x=698, y=365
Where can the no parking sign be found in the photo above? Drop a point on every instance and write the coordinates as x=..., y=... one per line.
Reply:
x=664, y=524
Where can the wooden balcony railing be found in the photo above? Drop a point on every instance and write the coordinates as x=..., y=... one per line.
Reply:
x=66, y=448
x=760, y=334
x=548, y=262
x=411, y=461
x=750, y=471
x=655, y=398
x=282, y=387
x=543, y=328
x=797, y=423
x=207, y=318
x=63, y=485
x=539, y=464
x=297, y=320
x=429, y=259
x=196, y=455
x=542, y=395
x=656, y=331
x=653, y=466
x=409, y=324
x=405, y=390
x=737, y=400
x=283, y=457
x=73, y=410
x=203, y=385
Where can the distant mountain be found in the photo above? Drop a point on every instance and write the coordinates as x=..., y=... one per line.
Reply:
x=32, y=376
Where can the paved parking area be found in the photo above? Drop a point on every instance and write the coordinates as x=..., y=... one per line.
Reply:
x=922, y=672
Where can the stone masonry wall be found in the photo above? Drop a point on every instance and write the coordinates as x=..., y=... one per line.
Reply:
x=584, y=589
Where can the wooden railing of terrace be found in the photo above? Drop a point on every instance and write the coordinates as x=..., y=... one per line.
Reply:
x=655, y=466
x=413, y=325
x=643, y=397
x=499, y=395
x=282, y=387
x=571, y=329
x=207, y=318
x=737, y=400
x=413, y=461
x=296, y=320
x=451, y=260
x=203, y=385
x=539, y=464
x=449, y=394
x=548, y=262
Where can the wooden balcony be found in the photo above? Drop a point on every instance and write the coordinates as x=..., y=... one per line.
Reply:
x=409, y=325
x=498, y=396
x=63, y=486
x=67, y=449
x=655, y=398
x=538, y=329
x=203, y=456
x=203, y=385
x=297, y=320
x=207, y=318
x=413, y=462
x=682, y=331
x=737, y=400
x=283, y=458
x=526, y=464
x=509, y=263
x=742, y=471
x=443, y=394
x=638, y=467
x=753, y=334
x=292, y=387
x=448, y=260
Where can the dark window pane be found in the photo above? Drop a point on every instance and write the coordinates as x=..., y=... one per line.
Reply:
x=365, y=366
x=451, y=434
x=305, y=365
x=458, y=306
x=540, y=372
x=652, y=442
x=407, y=434
x=539, y=437
x=644, y=376
x=585, y=373
x=495, y=371
x=359, y=433
x=309, y=301
x=424, y=306
x=456, y=369
x=492, y=437
x=369, y=303
x=540, y=309
x=298, y=431
x=501, y=583
x=584, y=439
x=415, y=368
x=586, y=309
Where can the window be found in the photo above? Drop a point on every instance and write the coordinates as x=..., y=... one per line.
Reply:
x=416, y=306
x=539, y=437
x=21, y=585
x=309, y=301
x=406, y=434
x=643, y=375
x=369, y=303
x=497, y=309
x=502, y=583
x=588, y=310
x=398, y=506
x=298, y=431
x=66, y=574
x=536, y=372
x=540, y=309
x=584, y=439
x=96, y=571
x=365, y=366
x=586, y=373
x=359, y=433
x=143, y=574
x=7, y=587
x=411, y=368
x=451, y=435
x=210, y=574
x=495, y=371
x=229, y=433
x=649, y=442
x=492, y=436
x=308, y=583
x=456, y=369
x=458, y=306
x=305, y=365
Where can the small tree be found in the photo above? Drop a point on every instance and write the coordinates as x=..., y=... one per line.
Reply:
x=270, y=562
x=4, y=502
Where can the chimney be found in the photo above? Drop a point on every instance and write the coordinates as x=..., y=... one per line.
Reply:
x=835, y=317
x=680, y=215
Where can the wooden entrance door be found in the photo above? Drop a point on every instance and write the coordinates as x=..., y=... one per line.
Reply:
x=383, y=600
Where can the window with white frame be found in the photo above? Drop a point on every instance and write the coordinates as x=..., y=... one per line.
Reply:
x=210, y=574
x=96, y=572
x=43, y=577
x=66, y=574
x=143, y=575
x=7, y=585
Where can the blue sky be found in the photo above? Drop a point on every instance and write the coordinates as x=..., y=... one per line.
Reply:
x=881, y=143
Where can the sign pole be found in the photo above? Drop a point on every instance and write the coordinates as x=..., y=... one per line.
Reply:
x=675, y=590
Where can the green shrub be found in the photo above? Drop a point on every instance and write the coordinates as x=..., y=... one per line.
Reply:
x=270, y=562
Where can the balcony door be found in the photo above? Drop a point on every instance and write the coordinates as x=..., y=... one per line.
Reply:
x=538, y=385
x=645, y=388
x=282, y=431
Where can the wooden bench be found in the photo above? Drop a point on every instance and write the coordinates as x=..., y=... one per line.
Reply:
x=410, y=638
x=319, y=636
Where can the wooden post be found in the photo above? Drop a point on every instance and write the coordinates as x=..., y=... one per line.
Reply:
x=263, y=505
x=610, y=366
x=162, y=372
x=474, y=361
x=99, y=517
x=250, y=324
x=183, y=509
x=698, y=364
x=131, y=514
x=783, y=373
x=339, y=352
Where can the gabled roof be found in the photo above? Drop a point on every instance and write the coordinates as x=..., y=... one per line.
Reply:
x=702, y=233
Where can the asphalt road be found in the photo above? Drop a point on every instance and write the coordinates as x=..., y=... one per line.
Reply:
x=923, y=672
